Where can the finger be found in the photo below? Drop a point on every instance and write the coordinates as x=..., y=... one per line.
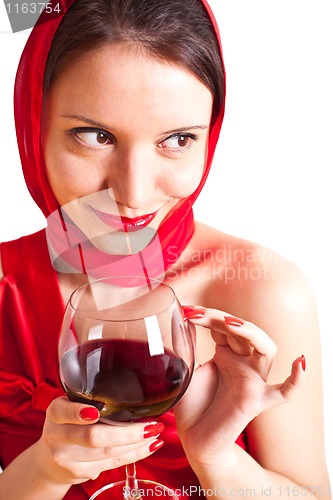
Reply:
x=216, y=321
x=295, y=379
x=91, y=470
x=135, y=455
x=282, y=393
x=63, y=411
x=255, y=336
x=217, y=325
x=261, y=347
x=77, y=416
x=219, y=338
x=84, y=454
x=220, y=321
x=239, y=345
x=104, y=436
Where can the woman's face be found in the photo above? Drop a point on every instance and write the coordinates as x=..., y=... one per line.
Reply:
x=124, y=138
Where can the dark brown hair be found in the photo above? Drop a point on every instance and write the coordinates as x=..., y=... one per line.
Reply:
x=178, y=31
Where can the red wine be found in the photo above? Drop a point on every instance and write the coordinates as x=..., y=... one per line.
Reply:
x=123, y=380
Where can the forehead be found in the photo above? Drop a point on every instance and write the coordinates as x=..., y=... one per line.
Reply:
x=117, y=82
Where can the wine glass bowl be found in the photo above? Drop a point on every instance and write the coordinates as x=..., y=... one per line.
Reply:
x=125, y=348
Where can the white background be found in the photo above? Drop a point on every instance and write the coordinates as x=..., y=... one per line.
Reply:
x=270, y=181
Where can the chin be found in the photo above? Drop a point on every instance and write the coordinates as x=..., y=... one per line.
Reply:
x=122, y=243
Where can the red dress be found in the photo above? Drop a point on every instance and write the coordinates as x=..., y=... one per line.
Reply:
x=31, y=310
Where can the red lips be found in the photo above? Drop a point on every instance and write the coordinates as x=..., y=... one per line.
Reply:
x=126, y=224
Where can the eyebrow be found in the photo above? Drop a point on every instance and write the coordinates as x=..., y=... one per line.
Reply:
x=185, y=129
x=87, y=120
x=107, y=127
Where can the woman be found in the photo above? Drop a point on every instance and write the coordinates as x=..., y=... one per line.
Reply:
x=117, y=130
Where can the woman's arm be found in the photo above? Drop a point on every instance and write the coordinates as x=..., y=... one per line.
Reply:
x=74, y=448
x=24, y=480
x=286, y=440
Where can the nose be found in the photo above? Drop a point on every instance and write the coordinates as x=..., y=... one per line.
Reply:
x=133, y=180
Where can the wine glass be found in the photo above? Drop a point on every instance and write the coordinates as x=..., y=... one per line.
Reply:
x=126, y=349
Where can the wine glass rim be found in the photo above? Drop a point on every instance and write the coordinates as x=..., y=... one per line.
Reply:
x=90, y=283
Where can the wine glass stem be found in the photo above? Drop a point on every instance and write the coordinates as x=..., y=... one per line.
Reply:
x=132, y=489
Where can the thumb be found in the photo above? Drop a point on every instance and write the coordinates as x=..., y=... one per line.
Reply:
x=282, y=393
x=63, y=411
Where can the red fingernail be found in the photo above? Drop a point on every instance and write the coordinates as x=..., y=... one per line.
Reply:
x=89, y=413
x=303, y=363
x=156, y=445
x=192, y=312
x=233, y=321
x=152, y=430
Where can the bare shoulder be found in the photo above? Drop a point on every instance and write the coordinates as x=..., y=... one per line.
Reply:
x=254, y=281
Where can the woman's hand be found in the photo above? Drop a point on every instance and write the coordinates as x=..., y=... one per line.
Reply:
x=74, y=447
x=227, y=392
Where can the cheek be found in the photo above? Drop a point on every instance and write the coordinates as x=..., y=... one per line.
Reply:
x=184, y=180
x=68, y=178
x=61, y=177
x=57, y=170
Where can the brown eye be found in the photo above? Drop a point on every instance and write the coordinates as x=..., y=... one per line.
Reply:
x=183, y=141
x=178, y=143
x=102, y=138
x=92, y=137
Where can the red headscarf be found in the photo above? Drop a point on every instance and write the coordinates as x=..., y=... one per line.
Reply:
x=177, y=228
